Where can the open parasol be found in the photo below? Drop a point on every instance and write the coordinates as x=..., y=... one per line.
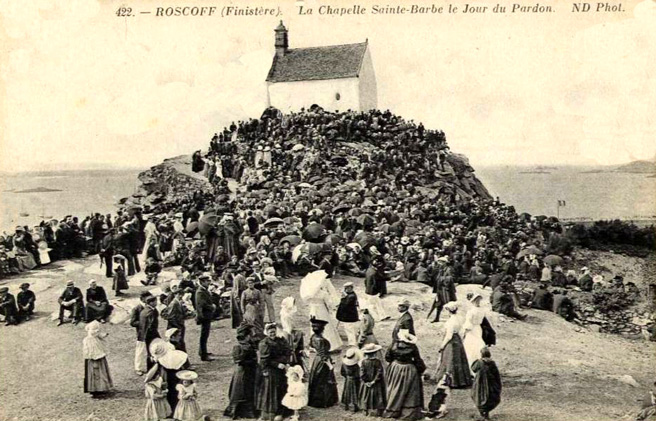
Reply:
x=273, y=222
x=312, y=284
x=529, y=250
x=553, y=260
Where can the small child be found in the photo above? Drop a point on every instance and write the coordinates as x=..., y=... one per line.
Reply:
x=437, y=404
x=157, y=407
x=373, y=394
x=120, y=280
x=486, y=391
x=187, y=408
x=351, y=372
x=296, y=397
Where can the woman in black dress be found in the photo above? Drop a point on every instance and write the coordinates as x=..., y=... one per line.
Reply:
x=405, y=392
x=242, y=385
x=274, y=356
x=322, y=388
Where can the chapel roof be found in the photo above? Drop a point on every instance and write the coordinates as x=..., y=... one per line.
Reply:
x=318, y=63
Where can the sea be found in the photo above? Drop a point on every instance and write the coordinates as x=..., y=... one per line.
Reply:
x=584, y=193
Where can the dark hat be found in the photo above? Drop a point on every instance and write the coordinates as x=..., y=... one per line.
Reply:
x=4, y=289
x=24, y=285
x=316, y=322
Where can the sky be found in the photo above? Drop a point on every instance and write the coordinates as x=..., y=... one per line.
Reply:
x=82, y=87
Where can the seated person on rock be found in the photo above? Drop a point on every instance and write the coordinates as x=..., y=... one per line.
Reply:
x=502, y=302
x=542, y=298
x=563, y=306
x=71, y=300
x=25, y=300
x=8, y=307
x=98, y=307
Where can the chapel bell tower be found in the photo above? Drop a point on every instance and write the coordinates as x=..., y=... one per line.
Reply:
x=282, y=42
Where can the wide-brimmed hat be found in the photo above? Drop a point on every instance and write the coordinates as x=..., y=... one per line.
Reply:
x=371, y=348
x=404, y=302
x=4, y=289
x=270, y=326
x=475, y=296
x=186, y=375
x=351, y=357
x=404, y=335
x=170, y=332
x=70, y=283
x=317, y=322
x=348, y=284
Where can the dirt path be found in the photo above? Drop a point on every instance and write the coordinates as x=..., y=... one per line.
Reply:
x=551, y=370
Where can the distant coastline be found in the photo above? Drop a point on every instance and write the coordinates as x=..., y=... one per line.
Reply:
x=38, y=190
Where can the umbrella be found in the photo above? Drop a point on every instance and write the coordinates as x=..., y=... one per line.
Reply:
x=192, y=226
x=206, y=223
x=333, y=239
x=291, y=220
x=313, y=232
x=342, y=207
x=553, y=260
x=365, y=239
x=273, y=222
x=529, y=250
x=308, y=248
x=298, y=147
x=355, y=212
x=312, y=283
x=366, y=220
x=305, y=185
x=293, y=240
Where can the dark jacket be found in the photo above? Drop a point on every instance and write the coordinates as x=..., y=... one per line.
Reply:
x=174, y=314
x=542, y=299
x=204, y=305
x=404, y=322
x=347, y=311
x=148, y=325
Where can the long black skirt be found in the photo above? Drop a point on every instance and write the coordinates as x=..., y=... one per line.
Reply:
x=272, y=388
x=322, y=387
x=242, y=393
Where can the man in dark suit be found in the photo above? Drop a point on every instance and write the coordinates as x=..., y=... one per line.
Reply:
x=72, y=300
x=405, y=321
x=175, y=317
x=204, y=315
x=148, y=325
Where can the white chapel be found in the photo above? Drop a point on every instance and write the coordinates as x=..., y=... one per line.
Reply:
x=335, y=77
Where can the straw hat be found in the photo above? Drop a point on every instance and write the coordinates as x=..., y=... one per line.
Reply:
x=451, y=306
x=351, y=357
x=371, y=348
x=404, y=335
x=475, y=296
x=405, y=302
x=186, y=375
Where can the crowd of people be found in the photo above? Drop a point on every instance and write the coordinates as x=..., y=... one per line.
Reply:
x=361, y=194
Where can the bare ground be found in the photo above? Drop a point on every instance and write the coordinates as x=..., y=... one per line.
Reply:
x=551, y=369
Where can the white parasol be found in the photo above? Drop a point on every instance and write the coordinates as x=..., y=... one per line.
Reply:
x=312, y=283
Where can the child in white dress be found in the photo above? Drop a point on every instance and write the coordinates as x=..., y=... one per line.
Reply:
x=157, y=407
x=296, y=397
x=187, y=408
